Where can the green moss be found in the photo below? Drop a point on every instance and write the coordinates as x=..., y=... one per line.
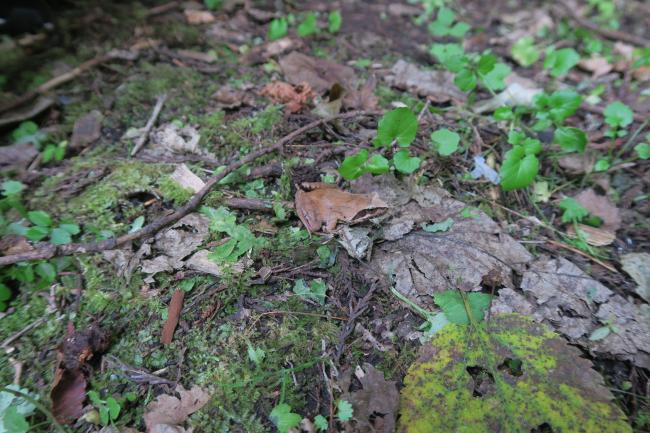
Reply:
x=187, y=90
x=171, y=190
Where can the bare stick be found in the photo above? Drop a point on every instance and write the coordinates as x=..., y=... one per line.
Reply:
x=147, y=128
x=173, y=316
x=47, y=251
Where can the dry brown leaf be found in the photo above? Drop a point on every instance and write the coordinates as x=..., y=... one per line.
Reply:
x=438, y=85
x=187, y=179
x=169, y=411
x=86, y=130
x=594, y=236
x=324, y=204
x=600, y=206
x=229, y=97
x=69, y=385
x=14, y=244
x=320, y=74
x=196, y=17
x=598, y=66
x=376, y=403
x=262, y=53
x=364, y=98
x=294, y=97
x=578, y=163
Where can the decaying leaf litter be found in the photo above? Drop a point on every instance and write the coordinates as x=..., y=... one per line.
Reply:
x=287, y=298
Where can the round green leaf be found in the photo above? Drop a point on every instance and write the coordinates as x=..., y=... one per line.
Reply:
x=642, y=150
x=525, y=52
x=561, y=61
x=39, y=218
x=445, y=141
x=518, y=169
x=570, y=139
x=377, y=164
x=60, y=236
x=36, y=233
x=405, y=163
x=12, y=187
x=399, y=124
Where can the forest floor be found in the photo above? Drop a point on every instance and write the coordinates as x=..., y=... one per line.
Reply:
x=360, y=216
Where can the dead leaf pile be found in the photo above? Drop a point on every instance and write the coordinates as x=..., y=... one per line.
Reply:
x=228, y=97
x=69, y=386
x=375, y=404
x=172, y=249
x=319, y=204
x=295, y=97
x=474, y=252
x=167, y=413
x=437, y=85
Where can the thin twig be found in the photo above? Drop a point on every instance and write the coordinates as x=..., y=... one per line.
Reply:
x=582, y=253
x=22, y=332
x=47, y=251
x=147, y=128
x=615, y=35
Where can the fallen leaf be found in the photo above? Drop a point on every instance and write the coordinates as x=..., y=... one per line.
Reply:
x=176, y=243
x=437, y=85
x=14, y=244
x=376, y=403
x=262, y=53
x=69, y=385
x=637, y=265
x=171, y=411
x=598, y=66
x=173, y=315
x=578, y=163
x=320, y=74
x=87, y=129
x=593, y=235
x=196, y=17
x=355, y=240
x=363, y=98
x=228, y=97
x=600, y=206
x=324, y=204
x=294, y=97
x=172, y=138
x=489, y=377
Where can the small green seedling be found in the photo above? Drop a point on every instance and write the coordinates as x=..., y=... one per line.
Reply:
x=334, y=20
x=444, y=24
x=255, y=354
x=308, y=26
x=321, y=423
x=283, y=418
x=43, y=227
x=315, y=290
x=278, y=28
x=561, y=61
x=471, y=69
x=553, y=109
x=520, y=165
x=344, y=410
x=241, y=239
x=570, y=139
x=618, y=116
x=574, y=212
x=525, y=52
x=109, y=409
x=643, y=149
x=445, y=141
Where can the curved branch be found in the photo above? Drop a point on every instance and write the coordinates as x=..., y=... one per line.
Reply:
x=47, y=251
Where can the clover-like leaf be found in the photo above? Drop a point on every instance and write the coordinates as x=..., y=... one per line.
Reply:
x=405, y=163
x=445, y=141
x=494, y=80
x=399, y=124
x=283, y=418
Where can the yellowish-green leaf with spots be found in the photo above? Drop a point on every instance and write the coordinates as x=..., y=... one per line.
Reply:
x=508, y=375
